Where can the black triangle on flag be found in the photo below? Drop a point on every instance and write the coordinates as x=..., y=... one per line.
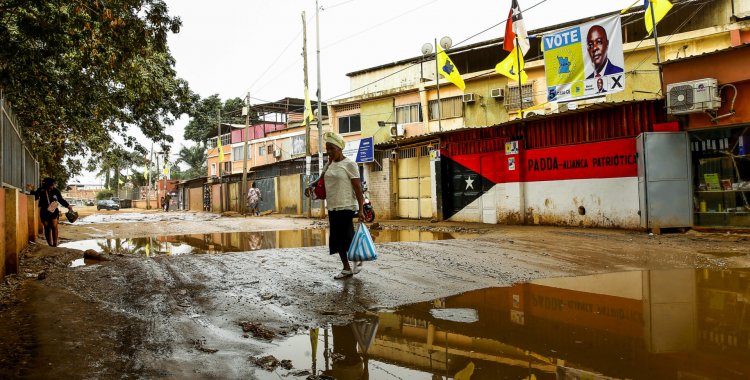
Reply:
x=461, y=186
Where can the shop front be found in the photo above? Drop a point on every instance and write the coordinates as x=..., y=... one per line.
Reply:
x=721, y=176
x=708, y=95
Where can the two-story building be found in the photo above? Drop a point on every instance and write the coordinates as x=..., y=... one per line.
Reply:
x=432, y=164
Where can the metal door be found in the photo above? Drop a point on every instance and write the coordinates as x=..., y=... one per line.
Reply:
x=488, y=165
x=267, y=188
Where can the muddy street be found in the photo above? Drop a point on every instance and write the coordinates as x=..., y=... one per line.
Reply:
x=193, y=295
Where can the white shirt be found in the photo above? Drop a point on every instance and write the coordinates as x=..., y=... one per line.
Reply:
x=339, y=191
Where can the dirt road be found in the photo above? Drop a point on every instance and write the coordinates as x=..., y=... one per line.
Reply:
x=179, y=316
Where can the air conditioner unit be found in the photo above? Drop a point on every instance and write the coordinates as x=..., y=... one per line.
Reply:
x=533, y=113
x=693, y=96
x=497, y=93
x=397, y=130
x=277, y=153
x=469, y=98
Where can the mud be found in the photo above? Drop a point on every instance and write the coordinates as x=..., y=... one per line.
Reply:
x=140, y=317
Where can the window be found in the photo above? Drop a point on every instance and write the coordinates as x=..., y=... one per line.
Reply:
x=238, y=153
x=511, y=97
x=228, y=167
x=298, y=144
x=411, y=113
x=349, y=124
x=225, y=140
x=449, y=107
x=270, y=149
x=262, y=150
x=213, y=169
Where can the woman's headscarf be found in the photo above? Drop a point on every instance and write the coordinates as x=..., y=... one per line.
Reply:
x=335, y=139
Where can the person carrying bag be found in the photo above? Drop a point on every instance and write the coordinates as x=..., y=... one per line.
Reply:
x=342, y=189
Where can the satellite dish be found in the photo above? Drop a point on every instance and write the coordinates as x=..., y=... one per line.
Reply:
x=446, y=42
x=426, y=48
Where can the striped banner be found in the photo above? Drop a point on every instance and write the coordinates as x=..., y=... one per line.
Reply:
x=362, y=247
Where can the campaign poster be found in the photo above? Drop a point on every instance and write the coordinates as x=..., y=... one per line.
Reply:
x=584, y=61
x=360, y=151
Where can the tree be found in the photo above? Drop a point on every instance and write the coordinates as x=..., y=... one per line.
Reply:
x=205, y=115
x=196, y=159
x=78, y=73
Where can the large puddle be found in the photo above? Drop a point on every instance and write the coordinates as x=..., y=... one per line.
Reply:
x=238, y=241
x=672, y=324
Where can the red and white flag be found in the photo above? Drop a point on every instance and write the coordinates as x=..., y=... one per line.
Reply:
x=515, y=28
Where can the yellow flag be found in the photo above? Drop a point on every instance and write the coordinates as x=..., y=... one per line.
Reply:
x=661, y=7
x=221, y=150
x=448, y=70
x=145, y=170
x=308, y=115
x=465, y=374
x=166, y=169
x=509, y=66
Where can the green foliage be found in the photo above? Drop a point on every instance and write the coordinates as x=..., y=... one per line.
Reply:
x=78, y=73
x=196, y=159
x=205, y=115
x=105, y=194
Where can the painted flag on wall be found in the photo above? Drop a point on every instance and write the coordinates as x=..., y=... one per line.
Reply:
x=515, y=28
x=308, y=115
x=448, y=70
x=661, y=8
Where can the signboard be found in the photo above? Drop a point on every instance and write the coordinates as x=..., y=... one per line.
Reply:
x=511, y=147
x=360, y=151
x=606, y=159
x=584, y=61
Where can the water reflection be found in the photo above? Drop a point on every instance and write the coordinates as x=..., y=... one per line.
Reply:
x=686, y=324
x=237, y=241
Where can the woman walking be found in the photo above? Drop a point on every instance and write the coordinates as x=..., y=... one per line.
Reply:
x=344, y=200
x=49, y=198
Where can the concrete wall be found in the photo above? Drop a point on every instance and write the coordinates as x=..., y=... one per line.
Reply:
x=371, y=113
x=2, y=229
x=141, y=203
x=32, y=217
x=16, y=228
x=289, y=191
x=195, y=199
x=381, y=192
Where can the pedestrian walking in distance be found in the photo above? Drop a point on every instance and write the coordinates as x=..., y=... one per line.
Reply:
x=254, y=196
x=344, y=199
x=49, y=198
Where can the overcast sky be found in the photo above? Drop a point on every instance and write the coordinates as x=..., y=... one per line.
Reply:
x=229, y=47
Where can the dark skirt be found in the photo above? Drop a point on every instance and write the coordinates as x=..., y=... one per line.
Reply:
x=342, y=231
x=47, y=216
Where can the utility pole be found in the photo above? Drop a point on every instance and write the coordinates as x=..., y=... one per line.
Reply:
x=221, y=163
x=243, y=195
x=520, y=84
x=320, y=103
x=437, y=86
x=308, y=150
x=150, y=162
x=656, y=43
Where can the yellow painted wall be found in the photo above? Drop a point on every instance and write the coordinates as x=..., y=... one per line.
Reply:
x=373, y=111
x=289, y=194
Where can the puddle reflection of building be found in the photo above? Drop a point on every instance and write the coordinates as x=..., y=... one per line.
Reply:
x=634, y=325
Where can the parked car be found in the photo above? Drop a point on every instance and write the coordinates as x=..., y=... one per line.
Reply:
x=89, y=203
x=107, y=204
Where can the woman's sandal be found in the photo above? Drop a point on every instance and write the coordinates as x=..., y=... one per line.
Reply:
x=343, y=274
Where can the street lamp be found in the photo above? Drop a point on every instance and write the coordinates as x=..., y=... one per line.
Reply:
x=446, y=44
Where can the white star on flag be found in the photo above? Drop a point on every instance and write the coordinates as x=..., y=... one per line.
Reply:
x=469, y=183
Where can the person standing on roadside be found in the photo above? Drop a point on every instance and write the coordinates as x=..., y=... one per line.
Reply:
x=344, y=200
x=49, y=198
x=167, y=199
x=254, y=196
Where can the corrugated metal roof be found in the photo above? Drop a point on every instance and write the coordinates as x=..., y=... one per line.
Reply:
x=717, y=51
x=431, y=135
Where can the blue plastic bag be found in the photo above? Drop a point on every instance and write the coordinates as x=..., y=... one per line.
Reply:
x=362, y=247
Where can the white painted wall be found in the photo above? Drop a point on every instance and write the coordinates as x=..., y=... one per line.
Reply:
x=609, y=202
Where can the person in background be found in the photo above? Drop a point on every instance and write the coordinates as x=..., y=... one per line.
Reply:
x=49, y=197
x=167, y=199
x=254, y=196
x=161, y=203
x=344, y=200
